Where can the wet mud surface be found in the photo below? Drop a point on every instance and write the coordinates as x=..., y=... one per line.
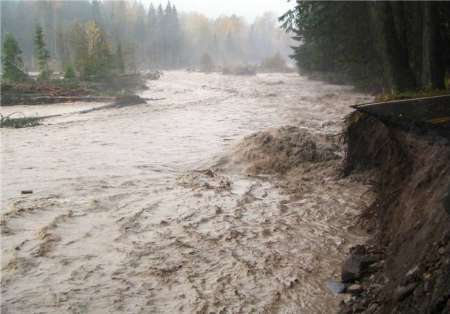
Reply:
x=168, y=207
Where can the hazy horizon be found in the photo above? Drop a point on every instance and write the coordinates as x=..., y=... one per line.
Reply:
x=216, y=8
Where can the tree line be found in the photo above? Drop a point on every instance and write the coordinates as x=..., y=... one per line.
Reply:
x=92, y=57
x=97, y=37
x=395, y=46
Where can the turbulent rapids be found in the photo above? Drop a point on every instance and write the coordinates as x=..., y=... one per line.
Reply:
x=222, y=196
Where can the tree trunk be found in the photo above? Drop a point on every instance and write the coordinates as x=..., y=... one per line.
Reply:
x=433, y=65
x=392, y=49
x=397, y=48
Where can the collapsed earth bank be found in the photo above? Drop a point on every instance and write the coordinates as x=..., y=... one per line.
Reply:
x=405, y=266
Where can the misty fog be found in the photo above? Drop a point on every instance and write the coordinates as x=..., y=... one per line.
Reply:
x=152, y=37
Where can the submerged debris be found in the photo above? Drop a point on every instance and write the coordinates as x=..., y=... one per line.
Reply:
x=153, y=76
x=20, y=122
x=128, y=100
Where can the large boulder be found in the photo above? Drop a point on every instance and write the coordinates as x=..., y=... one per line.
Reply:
x=355, y=266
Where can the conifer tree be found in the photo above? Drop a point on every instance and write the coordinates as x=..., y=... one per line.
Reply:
x=12, y=60
x=69, y=72
x=41, y=53
x=206, y=63
x=398, y=46
x=120, y=63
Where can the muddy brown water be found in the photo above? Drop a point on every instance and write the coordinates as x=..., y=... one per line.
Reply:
x=126, y=215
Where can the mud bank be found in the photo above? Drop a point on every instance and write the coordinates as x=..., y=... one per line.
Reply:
x=407, y=259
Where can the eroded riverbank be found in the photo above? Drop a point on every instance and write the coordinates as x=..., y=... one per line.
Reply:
x=143, y=209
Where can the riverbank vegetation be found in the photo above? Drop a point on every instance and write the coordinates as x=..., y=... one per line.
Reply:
x=382, y=46
x=93, y=71
x=97, y=48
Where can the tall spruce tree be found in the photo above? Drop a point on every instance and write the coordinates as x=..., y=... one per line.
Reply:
x=150, y=48
x=12, y=60
x=120, y=63
x=41, y=53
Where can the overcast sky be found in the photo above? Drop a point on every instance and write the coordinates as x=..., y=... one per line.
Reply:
x=247, y=8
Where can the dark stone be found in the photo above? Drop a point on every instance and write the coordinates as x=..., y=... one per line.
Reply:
x=358, y=250
x=153, y=76
x=446, y=201
x=367, y=261
x=129, y=100
x=355, y=266
x=27, y=192
x=372, y=308
x=403, y=291
x=351, y=269
x=412, y=275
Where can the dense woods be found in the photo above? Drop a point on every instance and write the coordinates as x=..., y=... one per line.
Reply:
x=101, y=36
x=395, y=46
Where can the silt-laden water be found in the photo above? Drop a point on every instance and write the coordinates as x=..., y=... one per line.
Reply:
x=130, y=212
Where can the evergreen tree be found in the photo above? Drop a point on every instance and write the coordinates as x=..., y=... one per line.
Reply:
x=176, y=37
x=12, y=61
x=69, y=72
x=62, y=49
x=151, y=48
x=206, y=63
x=381, y=44
x=160, y=38
x=96, y=12
x=120, y=63
x=41, y=53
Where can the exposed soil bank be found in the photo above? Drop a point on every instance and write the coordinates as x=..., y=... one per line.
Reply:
x=408, y=256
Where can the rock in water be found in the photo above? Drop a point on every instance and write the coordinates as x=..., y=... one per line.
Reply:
x=351, y=269
x=356, y=265
x=446, y=201
x=335, y=286
x=129, y=100
x=354, y=289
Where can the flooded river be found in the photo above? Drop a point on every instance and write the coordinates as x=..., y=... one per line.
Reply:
x=133, y=210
